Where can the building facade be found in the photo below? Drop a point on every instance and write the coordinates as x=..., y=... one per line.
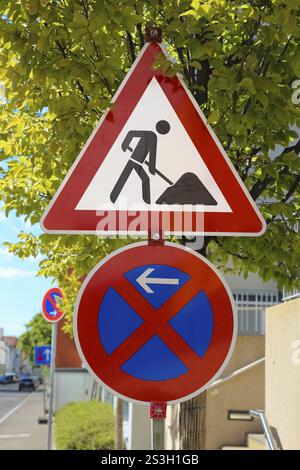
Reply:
x=2, y=357
x=10, y=356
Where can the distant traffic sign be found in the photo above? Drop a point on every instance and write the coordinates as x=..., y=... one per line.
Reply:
x=51, y=309
x=153, y=154
x=42, y=355
x=155, y=323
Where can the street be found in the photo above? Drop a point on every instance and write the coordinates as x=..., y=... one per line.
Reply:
x=19, y=411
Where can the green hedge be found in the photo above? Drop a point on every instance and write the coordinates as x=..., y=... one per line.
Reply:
x=85, y=425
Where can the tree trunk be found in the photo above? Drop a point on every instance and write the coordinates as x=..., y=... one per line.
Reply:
x=192, y=413
x=119, y=441
x=192, y=423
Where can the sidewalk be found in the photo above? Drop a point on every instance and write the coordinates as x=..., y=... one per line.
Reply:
x=21, y=431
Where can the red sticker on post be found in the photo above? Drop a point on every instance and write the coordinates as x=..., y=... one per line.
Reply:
x=158, y=410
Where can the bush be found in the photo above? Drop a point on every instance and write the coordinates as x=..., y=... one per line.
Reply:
x=84, y=426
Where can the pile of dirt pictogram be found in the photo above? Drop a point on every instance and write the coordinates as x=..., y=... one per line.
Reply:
x=187, y=190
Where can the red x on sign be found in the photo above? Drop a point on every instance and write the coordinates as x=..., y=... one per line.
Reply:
x=155, y=323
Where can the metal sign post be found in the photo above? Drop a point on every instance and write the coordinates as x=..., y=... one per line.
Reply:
x=52, y=371
x=157, y=434
x=158, y=412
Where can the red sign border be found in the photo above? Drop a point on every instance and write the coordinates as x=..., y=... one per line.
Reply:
x=47, y=317
x=60, y=217
x=96, y=364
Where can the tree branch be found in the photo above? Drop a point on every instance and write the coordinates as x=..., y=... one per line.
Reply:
x=292, y=189
x=130, y=46
x=260, y=186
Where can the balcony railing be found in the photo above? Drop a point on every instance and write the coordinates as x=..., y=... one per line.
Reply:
x=290, y=294
x=251, y=305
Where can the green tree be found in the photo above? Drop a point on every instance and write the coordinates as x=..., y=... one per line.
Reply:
x=61, y=62
x=38, y=333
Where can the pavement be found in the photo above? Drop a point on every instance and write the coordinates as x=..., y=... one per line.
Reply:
x=19, y=412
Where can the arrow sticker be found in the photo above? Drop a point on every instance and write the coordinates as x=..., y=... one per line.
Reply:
x=47, y=353
x=143, y=280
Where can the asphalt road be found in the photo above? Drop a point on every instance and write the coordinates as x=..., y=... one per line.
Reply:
x=10, y=397
x=19, y=412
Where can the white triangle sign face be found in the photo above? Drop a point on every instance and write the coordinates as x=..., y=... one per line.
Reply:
x=176, y=155
x=153, y=154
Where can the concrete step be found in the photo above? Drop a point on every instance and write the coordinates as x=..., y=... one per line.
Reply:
x=256, y=441
x=235, y=448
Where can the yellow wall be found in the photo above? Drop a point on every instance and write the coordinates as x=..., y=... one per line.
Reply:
x=241, y=393
x=283, y=371
x=244, y=392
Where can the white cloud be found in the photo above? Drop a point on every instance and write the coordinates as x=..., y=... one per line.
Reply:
x=37, y=259
x=4, y=252
x=27, y=222
x=12, y=273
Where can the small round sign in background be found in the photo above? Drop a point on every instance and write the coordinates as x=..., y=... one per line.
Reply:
x=51, y=301
x=155, y=323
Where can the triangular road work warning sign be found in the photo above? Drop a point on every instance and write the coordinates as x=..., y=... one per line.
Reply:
x=153, y=163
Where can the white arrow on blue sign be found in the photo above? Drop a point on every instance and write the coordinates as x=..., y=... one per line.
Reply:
x=42, y=355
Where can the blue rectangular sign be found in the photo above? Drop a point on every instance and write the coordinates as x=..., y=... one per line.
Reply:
x=42, y=355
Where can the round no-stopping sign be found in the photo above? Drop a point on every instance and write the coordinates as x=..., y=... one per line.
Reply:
x=155, y=323
x=51, y=310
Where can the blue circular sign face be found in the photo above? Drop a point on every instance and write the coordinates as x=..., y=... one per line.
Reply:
x=117, y=321
x=51, y=309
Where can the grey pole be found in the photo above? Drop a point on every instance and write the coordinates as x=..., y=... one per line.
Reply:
x=157, y=434
x=44, y=395
x=52, y=370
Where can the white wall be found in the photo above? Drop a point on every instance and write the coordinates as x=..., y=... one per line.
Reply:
x=13, y=360
x=251, y=282
x=71, y=385
x=3, y=356
x=139, y=428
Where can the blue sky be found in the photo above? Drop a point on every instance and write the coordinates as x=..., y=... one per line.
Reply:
x=20, y=290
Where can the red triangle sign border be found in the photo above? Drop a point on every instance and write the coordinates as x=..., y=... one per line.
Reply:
x=61, y=216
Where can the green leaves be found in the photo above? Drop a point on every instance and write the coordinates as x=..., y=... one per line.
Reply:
x=239, y=61
x=79, y=19
x=38, y=333
x=33, y=7
x=214, y=116
x=248, y=84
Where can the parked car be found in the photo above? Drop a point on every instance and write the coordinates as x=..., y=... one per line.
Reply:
x=37, y=379
x=8, y=378
x=28, y=383
x=11, y=377
x=4, y=380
